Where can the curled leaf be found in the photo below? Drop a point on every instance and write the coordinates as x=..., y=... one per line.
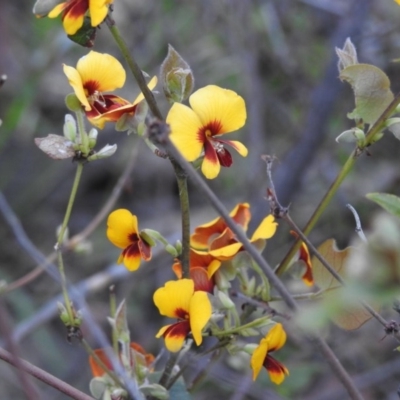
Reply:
x=56, y=146
x=371, y=88
x=347, y=313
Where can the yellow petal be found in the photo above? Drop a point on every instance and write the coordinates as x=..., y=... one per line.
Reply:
x=132, y=261
x=200, y=313
x=276, y=370
x=213, y=268
x=175, y=335
x=227, y=252
x=162, y=331
x=258, y=357
x=121, y=224
x=203, y=233
x=276, y=337
x=73, y=22
x=103, y=71
x=56, y=11
x=266, y=229
x=75, y=81
x=213, y=103
x=238, y=146
x=185, y=125
x=151, y=85
x=210, y=166
x=174, y=297
x=98, y=11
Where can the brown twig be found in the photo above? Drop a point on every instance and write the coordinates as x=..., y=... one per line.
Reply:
x=30, y=390
x=44, y=376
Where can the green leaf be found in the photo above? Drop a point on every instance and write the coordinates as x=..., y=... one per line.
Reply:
x=178, y=390
x=176, y=77
x=85, y=35
x=371, y=88
x=389, y=202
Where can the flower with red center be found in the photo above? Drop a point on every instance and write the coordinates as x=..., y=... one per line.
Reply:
x=95, y=74
x=202, y=268
x=214, y=112
x=179, y=300
x=204, y=234
x=261, y=357
x=138, y=354
x=123, y=232
x=226, y=246
x=74, y=11
x=304, y=255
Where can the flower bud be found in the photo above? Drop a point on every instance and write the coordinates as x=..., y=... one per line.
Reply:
x=72, y=102
x=105, y=152
x=225, y=300
x=351, y=136
x=249, y=348
x=63, y=313
x=176, y=76
x=93, y=133
x=69, y=128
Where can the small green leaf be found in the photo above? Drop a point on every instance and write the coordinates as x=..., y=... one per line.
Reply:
x=85, y=35
x=389, y=202
x=176, y=76
x=371, y=88
x=120, y=323
x=347, y=56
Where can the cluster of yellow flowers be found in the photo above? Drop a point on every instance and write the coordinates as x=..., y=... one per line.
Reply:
x=197, y=132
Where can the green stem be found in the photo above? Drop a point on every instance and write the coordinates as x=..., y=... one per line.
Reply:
x=134, y=67
x=378, y=126
x=181, y=178
x=67, y=216
x=166, y=376
x=72, y=196
x=67, y=301
x=92, y=353
x=179, y=172
x=113, y=309
x=252, y=324
x=319, y=210
x=84, y=147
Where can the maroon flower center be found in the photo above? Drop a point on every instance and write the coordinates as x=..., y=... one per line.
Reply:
x=206, y=132
x=181, y=314
x=75, y=8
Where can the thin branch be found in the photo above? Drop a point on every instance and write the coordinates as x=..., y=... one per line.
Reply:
x=358, y=229
x=44, y=376
x=30, y=390
x=329, y=267
x=338, y=369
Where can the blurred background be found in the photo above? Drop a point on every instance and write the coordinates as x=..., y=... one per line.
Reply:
x=277, y=54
